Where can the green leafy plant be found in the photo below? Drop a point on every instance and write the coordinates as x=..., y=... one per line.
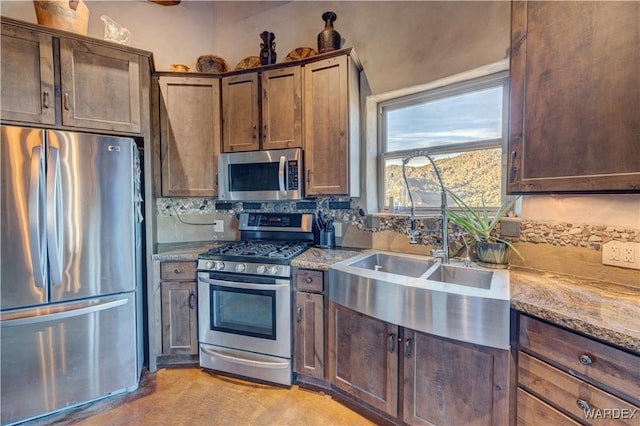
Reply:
x=480, y=223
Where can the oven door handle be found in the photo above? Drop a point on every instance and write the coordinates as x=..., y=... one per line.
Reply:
x=248, y=286
x=244, y=361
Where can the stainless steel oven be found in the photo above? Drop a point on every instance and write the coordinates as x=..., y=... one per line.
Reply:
x=244, y=297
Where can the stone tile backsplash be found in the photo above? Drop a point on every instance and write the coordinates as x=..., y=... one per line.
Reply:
x=591, y=236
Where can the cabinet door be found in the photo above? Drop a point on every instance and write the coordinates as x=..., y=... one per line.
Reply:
x=325, y=127
x=240, y=119
x=363, y=358
x=27, y=77
x=100, y=87
x=179, y=318
x=309, y=335
x=189, y=136
x=448, y=382
x=575, y=96
x=282, y=108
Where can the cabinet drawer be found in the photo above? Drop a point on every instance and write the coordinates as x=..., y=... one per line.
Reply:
x=532, y=411
x=583, y=357
x=178, y=271
x=570, y=394
x=310, y=280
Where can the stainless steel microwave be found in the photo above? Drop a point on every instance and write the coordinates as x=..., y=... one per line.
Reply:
x=261, y=175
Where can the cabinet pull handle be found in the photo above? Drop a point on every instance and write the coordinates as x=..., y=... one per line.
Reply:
x=255, y=132
x=585, y=359
x=299, y=315
x=514, y=169
x=264, y=132
x=67, y=104
x=308, y=176
x=45, y=101
x=583, y=405
x=407, y=347
x=192, y=300
x=392, y=343
x=309, y=280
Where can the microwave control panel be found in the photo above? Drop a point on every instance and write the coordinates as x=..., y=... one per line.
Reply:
x=292, y=175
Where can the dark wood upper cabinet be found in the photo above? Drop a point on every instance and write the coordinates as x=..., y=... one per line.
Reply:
x=575, y=97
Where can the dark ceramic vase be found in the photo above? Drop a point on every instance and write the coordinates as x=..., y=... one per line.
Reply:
x=267, y=48
x=328, y=39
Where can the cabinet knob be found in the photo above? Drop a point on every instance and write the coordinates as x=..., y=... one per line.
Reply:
x=177, y=271
x=407, y=347
x=309, y=280
x=392, y=343
x=583, y=405
x=67, y=103
x=45, y=99
x=585, y=359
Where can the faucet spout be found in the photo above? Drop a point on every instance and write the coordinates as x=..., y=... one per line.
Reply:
x=443, y=204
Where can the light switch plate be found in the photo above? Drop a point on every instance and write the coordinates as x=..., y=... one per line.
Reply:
x=218, y=226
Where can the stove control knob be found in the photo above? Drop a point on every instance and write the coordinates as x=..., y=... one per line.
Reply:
x=273, y=270
x=241, y=267
x=208, y=264
x=261, y=269
x=219, y=266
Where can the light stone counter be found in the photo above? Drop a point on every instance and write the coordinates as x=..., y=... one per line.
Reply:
x=183, y=251
x=320, y=259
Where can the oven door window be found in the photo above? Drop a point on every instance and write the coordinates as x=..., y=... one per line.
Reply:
x=244, y=312
x=254, y=177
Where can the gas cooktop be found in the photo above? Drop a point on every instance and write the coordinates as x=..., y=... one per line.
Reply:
x=260, y=250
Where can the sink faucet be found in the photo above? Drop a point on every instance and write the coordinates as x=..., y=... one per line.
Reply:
x=444, y=252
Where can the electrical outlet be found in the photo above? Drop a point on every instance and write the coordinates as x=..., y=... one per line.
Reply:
x=614, y=252
x=337, y=226
x=629, y=254
x=218, y=226
x=624, y=255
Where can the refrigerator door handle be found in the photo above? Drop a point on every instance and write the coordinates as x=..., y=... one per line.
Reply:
x=37, y=224
x=54, y=215
x=86, y=309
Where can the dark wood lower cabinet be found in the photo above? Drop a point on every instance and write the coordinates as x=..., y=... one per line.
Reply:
x=363, y=358
x=413, y=378
x=453, y=383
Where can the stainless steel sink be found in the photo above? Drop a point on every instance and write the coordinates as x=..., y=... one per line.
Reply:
x=462, y=276
x=420, y=293
x=395, y=264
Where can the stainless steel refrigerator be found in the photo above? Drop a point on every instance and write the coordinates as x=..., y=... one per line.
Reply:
x=70, y=261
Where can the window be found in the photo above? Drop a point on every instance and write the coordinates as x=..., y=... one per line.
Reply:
x=462, y=126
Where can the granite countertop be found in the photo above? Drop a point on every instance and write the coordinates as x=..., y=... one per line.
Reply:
x=606, y=311
x=183, y=251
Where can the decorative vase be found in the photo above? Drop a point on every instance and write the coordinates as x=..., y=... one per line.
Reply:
x=66, y=15
x=493, y=255
x=328, y=39
x=267, y=48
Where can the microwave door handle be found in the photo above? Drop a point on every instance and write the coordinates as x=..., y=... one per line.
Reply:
x=283, y=161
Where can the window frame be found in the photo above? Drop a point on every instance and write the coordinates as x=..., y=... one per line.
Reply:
x=469, y=85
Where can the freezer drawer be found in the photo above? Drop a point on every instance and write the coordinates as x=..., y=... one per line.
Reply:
x=63, y=355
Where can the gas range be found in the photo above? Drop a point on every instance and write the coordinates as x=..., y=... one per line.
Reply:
x=268, y=243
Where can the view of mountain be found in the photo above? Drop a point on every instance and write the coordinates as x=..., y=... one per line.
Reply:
x=469, y=175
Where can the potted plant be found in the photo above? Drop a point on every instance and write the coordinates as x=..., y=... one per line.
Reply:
x=492, y=250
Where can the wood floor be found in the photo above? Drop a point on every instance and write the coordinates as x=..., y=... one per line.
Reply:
x=191, y=396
